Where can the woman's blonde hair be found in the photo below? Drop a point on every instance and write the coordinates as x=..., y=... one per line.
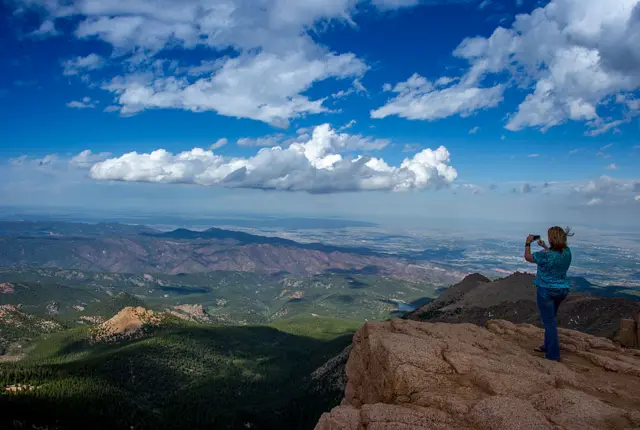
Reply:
x=558, y=237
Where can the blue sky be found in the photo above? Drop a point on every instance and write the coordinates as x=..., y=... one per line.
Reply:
x=402, y=106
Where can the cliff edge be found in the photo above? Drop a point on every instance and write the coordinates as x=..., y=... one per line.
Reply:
x=406, y=374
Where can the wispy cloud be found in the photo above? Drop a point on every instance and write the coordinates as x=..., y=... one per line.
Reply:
x=594, y=201
x=86, y=103
x=475, y=189
x=219, y=143
x=272, y=140
x=611, y=166
x=79, y=65
x=606, y=190
x=87, y=158
x=411, y=147
x=533, y=155
x=348, y=125
x=474, y=130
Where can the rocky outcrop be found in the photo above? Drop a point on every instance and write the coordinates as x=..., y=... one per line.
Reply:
x=52, y=309
x=129, y=323
x=629, y=334
x=7, y=288
x=410, y=375
x=17, y=388
x=189, y=312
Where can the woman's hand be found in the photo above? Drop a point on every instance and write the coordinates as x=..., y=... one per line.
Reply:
x=527, y=249
x=542, y=244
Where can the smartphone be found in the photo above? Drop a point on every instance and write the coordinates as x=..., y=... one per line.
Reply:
x=536, y=237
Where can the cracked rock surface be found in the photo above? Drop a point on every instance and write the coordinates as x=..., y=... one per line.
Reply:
x=406, y=374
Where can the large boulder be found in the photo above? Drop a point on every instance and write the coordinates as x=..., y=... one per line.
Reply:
x=411, y=375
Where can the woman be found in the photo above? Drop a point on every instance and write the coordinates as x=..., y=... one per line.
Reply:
x=551, y=283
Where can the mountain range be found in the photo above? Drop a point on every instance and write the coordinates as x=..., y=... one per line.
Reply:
x=142, y=329
x=133, y=249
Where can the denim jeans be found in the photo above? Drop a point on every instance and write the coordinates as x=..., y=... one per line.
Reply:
x=549, y=300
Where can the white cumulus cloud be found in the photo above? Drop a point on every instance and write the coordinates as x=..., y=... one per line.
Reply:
x=322, y=164
x=265, y=87
x=578, y=60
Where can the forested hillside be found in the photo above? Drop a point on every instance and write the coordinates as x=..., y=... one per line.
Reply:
x=180, y=375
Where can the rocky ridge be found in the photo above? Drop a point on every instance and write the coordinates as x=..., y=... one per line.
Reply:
x=410, y=375
x=478, y=300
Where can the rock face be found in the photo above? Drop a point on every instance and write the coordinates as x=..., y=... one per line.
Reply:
x=629, y=334
x=330, y=376
x=129, y=323
x=190, y=313
x=409, y=375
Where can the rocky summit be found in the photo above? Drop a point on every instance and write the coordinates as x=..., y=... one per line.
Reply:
x=412, y=375
x=129, y=323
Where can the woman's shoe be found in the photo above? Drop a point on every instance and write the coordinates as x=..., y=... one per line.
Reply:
x=540, y=349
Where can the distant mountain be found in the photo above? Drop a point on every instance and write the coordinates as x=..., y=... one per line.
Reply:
x=291, y=223
x=60, y=228
x=133, y=249
x=478, y=300
x=251, y=239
